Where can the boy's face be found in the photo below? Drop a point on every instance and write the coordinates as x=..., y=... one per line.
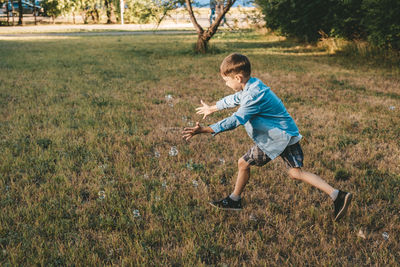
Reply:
x=234, y=82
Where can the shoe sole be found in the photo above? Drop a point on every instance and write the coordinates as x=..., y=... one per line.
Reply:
x=342, y=212
x=222, y=208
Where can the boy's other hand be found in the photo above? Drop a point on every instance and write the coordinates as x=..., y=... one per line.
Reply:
x=189, y=132
x=206, y=109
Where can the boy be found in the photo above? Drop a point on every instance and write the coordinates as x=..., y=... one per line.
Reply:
x=269, y=125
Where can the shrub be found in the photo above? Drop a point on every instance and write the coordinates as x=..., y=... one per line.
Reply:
x=377, y=21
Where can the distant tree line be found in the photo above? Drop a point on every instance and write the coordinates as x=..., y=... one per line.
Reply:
x=135, y=11
x=377, y=21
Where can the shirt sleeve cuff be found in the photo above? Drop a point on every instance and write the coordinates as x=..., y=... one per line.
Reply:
x=216, y=128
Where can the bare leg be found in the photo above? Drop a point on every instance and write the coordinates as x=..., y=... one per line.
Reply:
x=243, y=176
x=312, y=179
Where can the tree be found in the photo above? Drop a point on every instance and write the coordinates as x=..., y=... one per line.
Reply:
x=20, y=12
x=146, y=11
x=204, y=36
x=35, y=11
x=73, y=6
x=110, y=11
x=8, y=13
x=140, y=11
x=52, y=8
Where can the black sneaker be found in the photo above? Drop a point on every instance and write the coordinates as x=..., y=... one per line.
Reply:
x=227, y=204
x=342, y=202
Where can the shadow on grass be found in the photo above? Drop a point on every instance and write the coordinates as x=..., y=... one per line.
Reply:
x=257, y=45
x=223, y=47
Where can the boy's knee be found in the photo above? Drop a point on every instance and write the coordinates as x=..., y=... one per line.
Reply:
x=242, y=164
x=295, y=173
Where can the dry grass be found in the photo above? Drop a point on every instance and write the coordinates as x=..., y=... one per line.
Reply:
x=87, y=179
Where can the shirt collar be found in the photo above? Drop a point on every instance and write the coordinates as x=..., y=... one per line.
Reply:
x=249, y=82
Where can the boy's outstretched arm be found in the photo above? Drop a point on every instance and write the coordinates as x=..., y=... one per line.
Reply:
x=190, y=132
x=206, y=109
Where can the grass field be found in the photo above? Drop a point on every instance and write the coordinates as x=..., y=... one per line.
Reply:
x=94, y=170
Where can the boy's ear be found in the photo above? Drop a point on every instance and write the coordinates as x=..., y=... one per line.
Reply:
x=238, y=77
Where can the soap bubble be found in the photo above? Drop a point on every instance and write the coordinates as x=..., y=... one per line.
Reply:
x=102, y=195
x=189, y=165
x=173, y=151
x=110, y=252
x=103, y=167
x=385, y=235
x=136, y=213
x=253, y=217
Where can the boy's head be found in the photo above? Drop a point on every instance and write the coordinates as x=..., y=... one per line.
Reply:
x=236, y=64
x=235, y=69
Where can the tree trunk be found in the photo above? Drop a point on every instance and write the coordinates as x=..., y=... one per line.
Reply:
x=202, y=44
x=34, y=10
x=110, y=12
x=8, y=13
x=12, y=12
x=20, y=11
x=97, y=15
x=205, y=36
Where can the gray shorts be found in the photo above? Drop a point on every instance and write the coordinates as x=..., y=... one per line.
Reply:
x=292, y=155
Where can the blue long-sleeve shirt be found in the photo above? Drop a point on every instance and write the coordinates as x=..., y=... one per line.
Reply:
x=263, y=115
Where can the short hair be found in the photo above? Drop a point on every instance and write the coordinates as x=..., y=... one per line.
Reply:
x=235, y=64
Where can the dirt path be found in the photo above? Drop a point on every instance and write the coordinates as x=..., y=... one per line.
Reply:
x=95, y=29
x=102, y=33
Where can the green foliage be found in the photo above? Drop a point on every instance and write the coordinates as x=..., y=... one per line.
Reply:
x=53, y=8
x=141, y=11
x=375, y=20
x=301, y=19
x=146, y=11
x=382, y=22
x=136, y=11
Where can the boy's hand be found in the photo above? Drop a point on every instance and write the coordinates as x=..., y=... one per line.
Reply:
x=190, y=132
x=206, y=109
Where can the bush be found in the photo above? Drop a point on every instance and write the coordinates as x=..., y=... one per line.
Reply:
x=377, y=21
x=382, y=22
x=301, y=19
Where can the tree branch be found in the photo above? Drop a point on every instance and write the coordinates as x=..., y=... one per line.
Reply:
x=199, y=29
x=214, y=27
